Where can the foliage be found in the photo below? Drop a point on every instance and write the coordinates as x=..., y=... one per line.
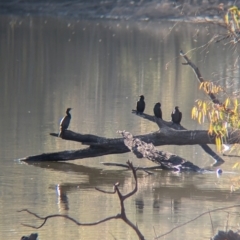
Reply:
x=232, y=21
x=220, y=116
x=233, y=17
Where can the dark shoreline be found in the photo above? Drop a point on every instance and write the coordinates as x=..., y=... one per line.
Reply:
x=145, y=10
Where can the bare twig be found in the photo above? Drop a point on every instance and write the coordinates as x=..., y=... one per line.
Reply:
x=121, y=215
x=198, y=75
x=227, y=221
x=211, y=222
x=202, y=214
x=63, y=216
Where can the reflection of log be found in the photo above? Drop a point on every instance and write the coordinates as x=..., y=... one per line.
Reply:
x=94, y=177
x=122, y=215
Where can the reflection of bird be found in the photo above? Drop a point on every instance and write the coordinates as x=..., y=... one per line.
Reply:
x=65, y=122
x=176, y=115
x=140, y=105
x=157, y=110
x=219, y=172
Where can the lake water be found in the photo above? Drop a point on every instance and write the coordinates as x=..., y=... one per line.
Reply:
x=99, y=68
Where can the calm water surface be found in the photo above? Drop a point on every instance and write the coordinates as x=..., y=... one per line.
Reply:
x=99, y=69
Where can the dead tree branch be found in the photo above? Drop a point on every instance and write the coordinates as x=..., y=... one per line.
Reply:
x=121, y=215
x=162, y=124
x=198, y=75
x=166, y=160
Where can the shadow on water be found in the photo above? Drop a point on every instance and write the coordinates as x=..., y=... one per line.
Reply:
x=163, y=184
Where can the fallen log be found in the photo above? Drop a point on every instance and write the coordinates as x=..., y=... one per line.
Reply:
x=99, y=146
x=168, y=134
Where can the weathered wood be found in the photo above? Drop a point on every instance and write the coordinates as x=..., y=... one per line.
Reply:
x=161, y=123
x=89, y=152
x=99, y=146
x=166, y=160
x=165, y=136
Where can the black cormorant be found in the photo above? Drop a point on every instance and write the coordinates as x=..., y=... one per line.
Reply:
x=140, y=105
x=157, y=110
x=176, y=115
x=65, y=122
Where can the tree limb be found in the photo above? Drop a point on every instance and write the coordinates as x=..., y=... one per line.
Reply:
x=165, y=136
x=198, y=75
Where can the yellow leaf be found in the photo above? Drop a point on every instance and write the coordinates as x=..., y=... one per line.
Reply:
x=227, y=102
x=221, y=115
x=201, y=85
x=215, y=130
x=204, y=108
x=199, y=117
x=235, y=106
x=235, y=165
x=218, y=144
x=200, y=103
x=210, y=130
x=226, y=18
x=194, y=112
x=206, y=87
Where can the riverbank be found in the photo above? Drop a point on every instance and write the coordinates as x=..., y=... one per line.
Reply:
x=128, y=10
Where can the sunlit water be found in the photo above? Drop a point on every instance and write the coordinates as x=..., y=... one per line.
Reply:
x=99, y=69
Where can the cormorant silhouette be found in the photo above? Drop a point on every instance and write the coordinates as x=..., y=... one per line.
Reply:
x=65, y=122
x=157, y=110
x=176, y=115
x=140, y=105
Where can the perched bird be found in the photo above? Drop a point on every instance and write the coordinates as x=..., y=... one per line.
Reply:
x=176, y=115
x=157, y=110
x=65, y=122
x=140, y=105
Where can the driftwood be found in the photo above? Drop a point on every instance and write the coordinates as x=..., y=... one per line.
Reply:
x=99, y=146
x=166, y=160
x=168, y=134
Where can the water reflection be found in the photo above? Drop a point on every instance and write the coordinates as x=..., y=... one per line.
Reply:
x=99, y=69
x=63, y=202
